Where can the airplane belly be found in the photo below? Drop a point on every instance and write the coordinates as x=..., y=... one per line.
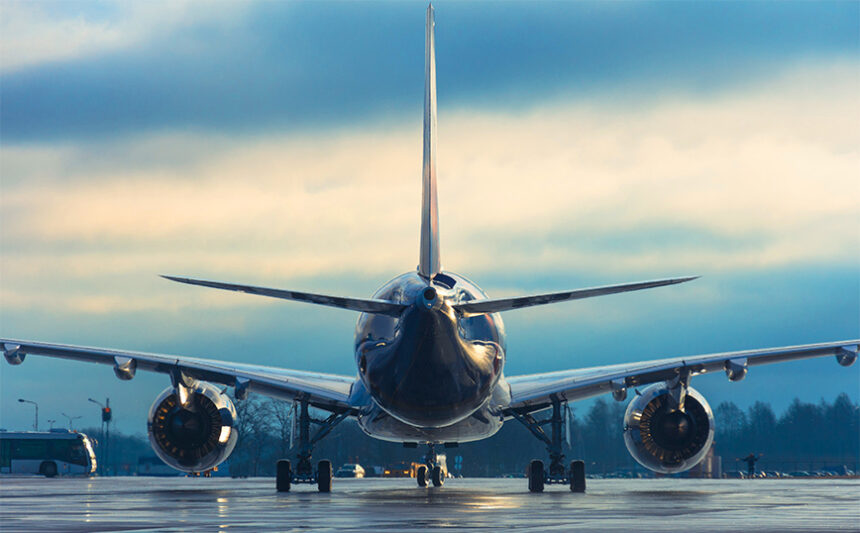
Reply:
x=483, y=423
x=380, y=425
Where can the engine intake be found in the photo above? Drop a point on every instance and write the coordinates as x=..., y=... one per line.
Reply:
x=196, y=436
x=664, y=439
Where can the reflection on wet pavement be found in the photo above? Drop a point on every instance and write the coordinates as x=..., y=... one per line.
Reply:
x=219, y=504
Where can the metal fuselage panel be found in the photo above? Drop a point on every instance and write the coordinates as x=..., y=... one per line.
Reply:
x=430, y=374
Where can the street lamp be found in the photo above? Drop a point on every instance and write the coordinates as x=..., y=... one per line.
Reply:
x=51, y=422
x=100, y=404
x=70, y=419
x=36, y=421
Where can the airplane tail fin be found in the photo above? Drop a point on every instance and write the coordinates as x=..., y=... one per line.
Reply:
x=430, y=263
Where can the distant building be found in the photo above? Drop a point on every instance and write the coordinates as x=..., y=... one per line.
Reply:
x=711, y=467
x=153, y=466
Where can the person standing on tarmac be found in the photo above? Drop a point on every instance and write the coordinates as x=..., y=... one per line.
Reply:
x=750, y=460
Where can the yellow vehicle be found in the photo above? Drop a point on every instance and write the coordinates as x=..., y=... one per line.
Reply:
x=402, y=469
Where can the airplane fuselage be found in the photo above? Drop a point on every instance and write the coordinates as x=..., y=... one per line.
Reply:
x=431, y=374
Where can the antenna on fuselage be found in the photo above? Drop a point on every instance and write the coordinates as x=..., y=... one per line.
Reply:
x=430, y=263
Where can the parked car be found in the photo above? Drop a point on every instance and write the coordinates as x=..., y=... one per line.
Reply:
x=350, y=470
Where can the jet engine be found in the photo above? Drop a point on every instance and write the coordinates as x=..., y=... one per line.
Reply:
x=192, y=429
x=664, y=438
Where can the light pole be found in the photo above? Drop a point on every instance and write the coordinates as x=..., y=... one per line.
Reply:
x=70, y=419
x=51, y=422
x=105, y=430
x=36, y=421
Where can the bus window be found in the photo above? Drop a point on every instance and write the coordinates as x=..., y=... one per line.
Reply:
x=5, y=456
x=76, y=452
x=29, y=449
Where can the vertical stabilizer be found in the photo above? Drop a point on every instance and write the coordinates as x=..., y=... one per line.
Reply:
x=430, y=264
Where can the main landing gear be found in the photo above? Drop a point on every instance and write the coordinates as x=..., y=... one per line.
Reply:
x=304, y=472
x=574, y=474
x=434, y=469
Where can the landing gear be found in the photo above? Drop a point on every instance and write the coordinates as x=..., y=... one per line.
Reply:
x=577, y=476
x=536, y=476
x=324, y=475
x=438, y=476
x=556, y=473
x=304, y=471
x=284, y=475
x=434, y=468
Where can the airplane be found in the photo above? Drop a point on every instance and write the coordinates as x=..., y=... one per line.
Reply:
x=430, y=354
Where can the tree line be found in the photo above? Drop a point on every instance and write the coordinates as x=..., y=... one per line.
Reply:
x=805, y=433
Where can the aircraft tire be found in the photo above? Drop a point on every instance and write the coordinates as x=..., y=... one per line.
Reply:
x=577, y=476
x=284, y=476
x=438, y=476
x=421, y=476
x=324, y=476
x=536, y=476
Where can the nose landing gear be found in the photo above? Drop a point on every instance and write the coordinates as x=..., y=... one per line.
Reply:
x=433, y=470
x=538, y=476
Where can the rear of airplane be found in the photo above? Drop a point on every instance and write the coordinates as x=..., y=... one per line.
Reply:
x=429, y=264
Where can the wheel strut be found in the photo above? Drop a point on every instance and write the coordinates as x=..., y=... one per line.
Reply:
x=557, y=471
x=432, y=469
x=304, y=470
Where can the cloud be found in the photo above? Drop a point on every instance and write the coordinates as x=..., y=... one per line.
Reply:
x=53, y=31
x=258, y=68
x=759, y=178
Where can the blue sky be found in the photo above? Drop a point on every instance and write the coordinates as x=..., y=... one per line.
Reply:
x=280, y=144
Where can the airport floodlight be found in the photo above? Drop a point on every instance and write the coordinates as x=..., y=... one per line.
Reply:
x=36, y=419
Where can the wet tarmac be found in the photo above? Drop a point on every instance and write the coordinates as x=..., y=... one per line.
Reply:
x=223, y=504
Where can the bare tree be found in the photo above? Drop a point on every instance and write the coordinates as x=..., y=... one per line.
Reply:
x=282, y=412
x=255, y=428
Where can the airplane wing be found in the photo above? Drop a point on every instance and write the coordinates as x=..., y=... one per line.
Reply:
x=326, y=391
x=533, y=392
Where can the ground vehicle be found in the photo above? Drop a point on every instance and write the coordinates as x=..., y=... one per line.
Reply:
x=56, y=452
x=401, y=469
x=350, y=470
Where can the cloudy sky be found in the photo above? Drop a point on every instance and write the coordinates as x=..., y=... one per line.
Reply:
x=280, y=144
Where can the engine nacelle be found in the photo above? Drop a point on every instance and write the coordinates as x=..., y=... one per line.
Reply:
x=196, y=436
x=664, y=439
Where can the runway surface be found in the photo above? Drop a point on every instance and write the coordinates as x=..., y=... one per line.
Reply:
x=223, y=504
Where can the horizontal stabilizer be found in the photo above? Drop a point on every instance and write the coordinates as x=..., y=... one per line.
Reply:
x=506, y=304
x=381, y=307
